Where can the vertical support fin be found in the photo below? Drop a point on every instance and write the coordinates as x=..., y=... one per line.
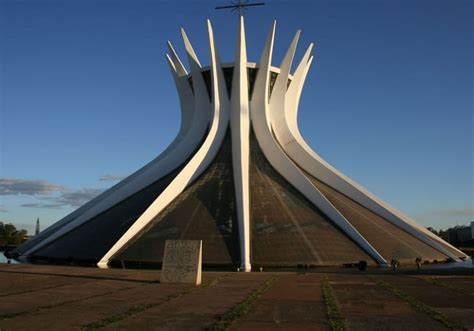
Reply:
x=201, y=100
x=262, y=82
x=189, y=48
x=174, y=58
x=296, y=86
x=293, y=96
x=304, y=60
x=172, y=66
x=281, y=83
x=240, y=129
x=184, y=92
x=218, y=85
x=279, y=95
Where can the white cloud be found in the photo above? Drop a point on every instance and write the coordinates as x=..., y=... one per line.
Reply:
x=43, y=205
x=79, y=197
x=49, y=195
x=66, y=198
x=15, y=186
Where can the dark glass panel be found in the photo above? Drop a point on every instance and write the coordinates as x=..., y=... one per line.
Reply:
x=89, y=242
x=389, y=240
x=287, y=230
x=204, y=211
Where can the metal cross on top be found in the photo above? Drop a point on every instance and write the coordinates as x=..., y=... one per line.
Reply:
x=240, y=6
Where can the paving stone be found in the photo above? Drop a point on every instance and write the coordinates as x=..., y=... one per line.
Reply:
x=197, y=310
x=59, y=298
x=293, y=302
x=13, y=284
x=117, y=274
x=30, y=301
x=74, y=315
x=465, y=284
x=85, y=310
x=456, y=306
x=367, y=306
x=269, y=326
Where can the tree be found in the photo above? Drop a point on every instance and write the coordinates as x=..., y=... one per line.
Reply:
x=444, y=234
x=9, y=235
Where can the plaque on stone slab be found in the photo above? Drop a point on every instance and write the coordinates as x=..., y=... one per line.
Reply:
x=182, y=262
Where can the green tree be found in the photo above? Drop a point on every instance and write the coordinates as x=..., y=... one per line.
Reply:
x=9, y=235
x=444, y=234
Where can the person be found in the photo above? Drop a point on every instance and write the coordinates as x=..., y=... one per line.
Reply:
x=394, y=263
x=362, y=265
x=418, y=262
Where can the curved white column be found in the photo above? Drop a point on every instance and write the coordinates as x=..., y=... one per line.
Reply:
x=240, y=130
x=195, y=121
x=260, y=108
x=206, y=153
x=191, y=133
x=285, y=128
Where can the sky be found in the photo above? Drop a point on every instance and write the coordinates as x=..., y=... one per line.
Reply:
x=86, y=96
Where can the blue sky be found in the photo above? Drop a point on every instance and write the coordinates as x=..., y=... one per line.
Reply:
x=86, y=96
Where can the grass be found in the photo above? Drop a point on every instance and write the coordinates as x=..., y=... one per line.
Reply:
x=242, y=308
x=137, y=309
x=336, y=321
x=419, y=306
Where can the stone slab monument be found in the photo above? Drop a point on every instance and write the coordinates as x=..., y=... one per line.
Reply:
x=182, y=262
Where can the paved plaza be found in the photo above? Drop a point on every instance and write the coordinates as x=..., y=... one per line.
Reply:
x=72, y=298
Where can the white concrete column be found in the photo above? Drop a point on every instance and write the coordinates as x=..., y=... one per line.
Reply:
x=240, y=129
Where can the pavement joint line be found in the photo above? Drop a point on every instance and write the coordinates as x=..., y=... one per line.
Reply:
x=434, y=281
x=242, y=308
x=41, y=289
x=419, y=305
x=335, y=318
x=138, y=309
x=40, y=308
x=79, y=276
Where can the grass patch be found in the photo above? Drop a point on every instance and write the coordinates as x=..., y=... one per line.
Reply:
x=137, y=309
x=419, y=306
x=336, y=321
x=242, y=308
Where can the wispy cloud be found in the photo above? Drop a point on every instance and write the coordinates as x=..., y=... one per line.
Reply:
x=15, y=186
x=3, y=209
x=49, y=195
x=79, y=197
x=66, y=198
x=111, y=178
x=43, y=205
